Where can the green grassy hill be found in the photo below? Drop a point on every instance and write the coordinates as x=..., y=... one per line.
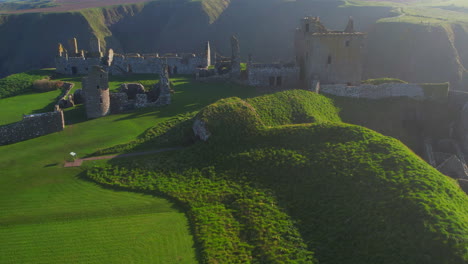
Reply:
x=281, y=189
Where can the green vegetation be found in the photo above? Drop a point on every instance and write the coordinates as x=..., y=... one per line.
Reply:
x=294, y=107
x=382, y=81
x=354, y=195
x=20, y=83
x=45, y=207
x=12, y=5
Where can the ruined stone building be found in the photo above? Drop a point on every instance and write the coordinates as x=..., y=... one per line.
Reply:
x=74, y=61
x=332, y=57
x=322, y=55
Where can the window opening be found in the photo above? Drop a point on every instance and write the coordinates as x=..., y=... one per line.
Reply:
x=278, y=81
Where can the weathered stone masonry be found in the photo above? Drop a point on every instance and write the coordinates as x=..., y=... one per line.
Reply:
x=71, y=62
x=273, y=75
x=32, y=126
x=96, y=93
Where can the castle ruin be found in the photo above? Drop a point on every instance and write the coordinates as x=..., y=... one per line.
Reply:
x=76, y=62
x=331, y=57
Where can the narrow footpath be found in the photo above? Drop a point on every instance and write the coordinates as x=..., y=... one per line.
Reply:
x=78, y=162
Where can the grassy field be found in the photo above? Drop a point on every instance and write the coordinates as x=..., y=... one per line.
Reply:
x=48, y=214
x=352, y=196
x=13, y=108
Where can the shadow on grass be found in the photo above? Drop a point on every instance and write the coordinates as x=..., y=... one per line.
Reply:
x=51, y=165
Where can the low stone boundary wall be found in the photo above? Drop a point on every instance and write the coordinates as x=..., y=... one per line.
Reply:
x=32, y=126
x=375, y=91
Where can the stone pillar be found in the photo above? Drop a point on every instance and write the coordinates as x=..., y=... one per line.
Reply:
x=60, y=51
x=164, y=85
x=95, y=47
x=235, y=58
x=207, y=54
x=73, y=47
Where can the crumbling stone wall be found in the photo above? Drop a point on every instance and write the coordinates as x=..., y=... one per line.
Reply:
x=375, y=91
x=81, y=63
x=273, y=75
x=32, y=126
x=119, y=103
x=75, y=65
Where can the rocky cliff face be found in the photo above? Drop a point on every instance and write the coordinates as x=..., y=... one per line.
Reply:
x=417, y=53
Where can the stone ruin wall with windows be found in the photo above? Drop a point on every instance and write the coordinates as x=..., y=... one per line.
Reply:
x=76, y=62
x=331, y=57
x=273, y=76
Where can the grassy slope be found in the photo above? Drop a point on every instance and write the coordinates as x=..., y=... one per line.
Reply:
x=357, y=196
x=47, y=197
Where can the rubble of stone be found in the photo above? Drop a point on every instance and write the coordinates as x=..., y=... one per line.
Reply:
x=73, y=61
x=32, y=126
x=66, y=100
x=132, y=89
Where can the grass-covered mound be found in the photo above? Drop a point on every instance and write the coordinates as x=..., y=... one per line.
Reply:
x=355, y=196
x=294, y=107
x=21, y=82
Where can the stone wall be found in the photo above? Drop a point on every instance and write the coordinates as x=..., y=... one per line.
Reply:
x=75, y=65
x=131, y=63
x=273, y=75
x=375, y=91
x=32, y=126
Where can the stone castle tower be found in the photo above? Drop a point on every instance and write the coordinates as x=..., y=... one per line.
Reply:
x=96, y=92
x=330, y=57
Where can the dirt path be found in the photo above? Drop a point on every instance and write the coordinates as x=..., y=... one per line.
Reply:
x=78, y=162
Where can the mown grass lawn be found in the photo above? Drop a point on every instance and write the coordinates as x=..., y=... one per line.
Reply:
x=48, y=214
x=13, y=108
